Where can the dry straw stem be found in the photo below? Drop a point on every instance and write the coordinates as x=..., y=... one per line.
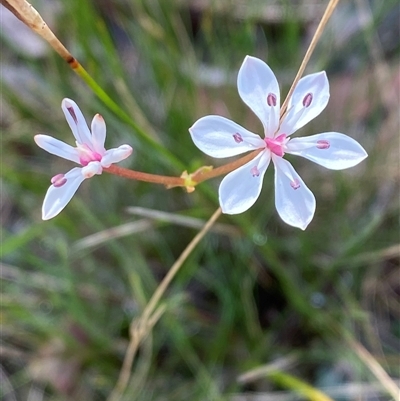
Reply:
x=152, y=219
x=386, y=381
x=141, y=327
x=317, y=35
x=29, y=16
x=229, y=230
x=260, y=372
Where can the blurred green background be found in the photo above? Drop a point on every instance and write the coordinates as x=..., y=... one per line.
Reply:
x=255, y=292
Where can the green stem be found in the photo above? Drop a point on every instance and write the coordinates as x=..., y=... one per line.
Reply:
x=96, y=88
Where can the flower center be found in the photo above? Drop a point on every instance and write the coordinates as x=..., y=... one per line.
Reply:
x=86, y=155
x=275, y=145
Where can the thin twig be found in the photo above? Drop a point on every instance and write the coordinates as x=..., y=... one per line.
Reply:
x=177, y=265
x=184, y=221
x=321, y=26
x=138, y=332
x=141, y=327
x=29, y=16
x=283, y=363
x=372, y=364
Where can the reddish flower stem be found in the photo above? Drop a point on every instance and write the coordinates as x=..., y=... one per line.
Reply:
x=171, y=182
x=140, y=176
x=226, y=168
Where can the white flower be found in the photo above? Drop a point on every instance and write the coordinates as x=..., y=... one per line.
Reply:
x=89, y=153
x=219, y=137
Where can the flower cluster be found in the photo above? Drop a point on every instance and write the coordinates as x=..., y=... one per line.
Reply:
x=219, y=137
x=89, y=153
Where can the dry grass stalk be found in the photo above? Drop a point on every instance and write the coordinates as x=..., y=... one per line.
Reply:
x=25, y=12
x=141, y=327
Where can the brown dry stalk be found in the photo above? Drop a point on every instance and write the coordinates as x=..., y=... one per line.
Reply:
x=29, y=16
x=317, y=35
x=373, y=365
x=141, y=327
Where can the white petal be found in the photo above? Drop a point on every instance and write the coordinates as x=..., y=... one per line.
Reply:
x=76, y=121
x=98, y=133
x=241, y=188
x=330, y=149
x=294, y=202
x=115, y=155
x=57, y=147
x=309, y=98
x=259, y=89
x=57, y=197
x=219, y=137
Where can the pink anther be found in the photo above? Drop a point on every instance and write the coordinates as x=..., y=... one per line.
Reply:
x=237, y=137
x=271, y=99
x=58, y=180
x=73, y=115
x=323, y=144
x=295, y=184
x=307, y=99
x=254, y=171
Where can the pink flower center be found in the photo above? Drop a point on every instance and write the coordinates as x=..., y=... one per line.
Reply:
x=276, y=145
x=86, y=155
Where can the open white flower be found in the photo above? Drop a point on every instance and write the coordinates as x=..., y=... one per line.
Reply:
x=219, y=137
x=89, y=153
